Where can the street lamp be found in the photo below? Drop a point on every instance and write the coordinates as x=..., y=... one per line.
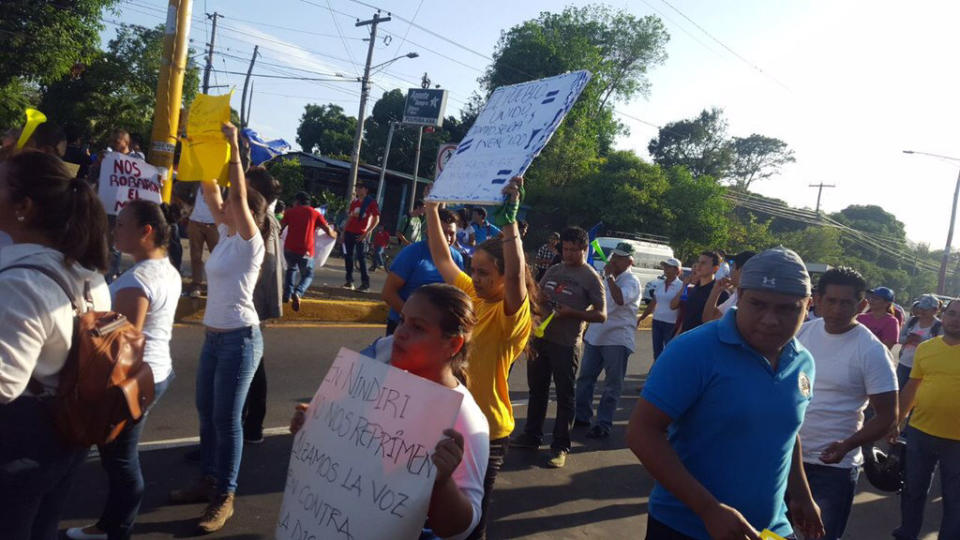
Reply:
x=942, y=278
x=364, y=93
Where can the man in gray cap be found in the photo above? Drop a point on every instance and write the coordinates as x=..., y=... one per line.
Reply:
x=923, y=325
x=732, y=395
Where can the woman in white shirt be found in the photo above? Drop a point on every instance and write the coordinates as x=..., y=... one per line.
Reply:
x=58, y=223
x=432, y=342
x=233, y=345
x=147, y=295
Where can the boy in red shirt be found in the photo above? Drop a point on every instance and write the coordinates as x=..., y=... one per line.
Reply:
x=300, y=221
x=380, y=242
x=363, y=218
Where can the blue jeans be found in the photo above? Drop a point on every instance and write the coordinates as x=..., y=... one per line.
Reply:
x=924, y=451
x=36, y=470
x=297, y=263
x=121, y=460
x=903, y=375
x=353, y=247
x=612, y=359
x=662, y=334
x=228, y=362
x=833, y=489
x=378, y=257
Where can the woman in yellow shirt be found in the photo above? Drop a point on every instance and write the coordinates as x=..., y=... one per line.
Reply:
x=500, y=289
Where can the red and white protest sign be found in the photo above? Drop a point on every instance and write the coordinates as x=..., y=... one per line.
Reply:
x=125, y=178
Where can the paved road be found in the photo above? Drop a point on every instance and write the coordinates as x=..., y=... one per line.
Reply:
x=602, y=493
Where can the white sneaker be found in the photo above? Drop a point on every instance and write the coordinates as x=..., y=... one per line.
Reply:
x=77, y=533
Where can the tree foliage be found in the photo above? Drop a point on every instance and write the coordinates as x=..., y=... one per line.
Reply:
x=757, y=157
x=700, y=144
x=290, y=175
x=118, y=89
x=326, y=129
x=616, y=47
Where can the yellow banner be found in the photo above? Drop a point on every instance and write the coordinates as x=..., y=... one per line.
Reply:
x=205, y=152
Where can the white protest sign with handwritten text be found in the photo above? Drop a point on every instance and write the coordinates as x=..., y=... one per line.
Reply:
x=511, y=130
x=361, y=465
x=125, y=178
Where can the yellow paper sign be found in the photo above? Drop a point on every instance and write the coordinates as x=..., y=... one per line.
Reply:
x=767, y=534
x=34, y=119
x=205, y=152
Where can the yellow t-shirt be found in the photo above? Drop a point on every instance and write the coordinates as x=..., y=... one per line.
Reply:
x=497, y=340
x=937, y=409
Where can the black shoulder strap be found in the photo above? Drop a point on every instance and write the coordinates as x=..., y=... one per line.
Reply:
x=364, y=205
x=79, y=304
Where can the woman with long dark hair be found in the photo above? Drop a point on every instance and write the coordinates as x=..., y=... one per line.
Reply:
x=233, y=345
x=501, y=288
x=147, y=295
x=57, y=223
x=433, y=342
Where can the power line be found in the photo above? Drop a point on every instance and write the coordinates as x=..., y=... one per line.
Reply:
x=724, y=45
x=263, y=75
x=336, y=24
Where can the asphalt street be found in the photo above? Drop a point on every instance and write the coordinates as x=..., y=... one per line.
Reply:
x=602, y=492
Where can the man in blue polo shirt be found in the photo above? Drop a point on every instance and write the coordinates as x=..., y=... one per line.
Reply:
x=413, y=267
x=717, y=422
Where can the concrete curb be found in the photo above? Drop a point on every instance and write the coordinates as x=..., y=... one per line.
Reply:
x=190, y=310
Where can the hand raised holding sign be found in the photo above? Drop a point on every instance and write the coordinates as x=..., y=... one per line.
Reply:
x=447, y=455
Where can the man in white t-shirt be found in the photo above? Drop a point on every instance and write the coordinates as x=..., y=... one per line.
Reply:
x=853, y=369
x=922, y=326
x=608, y=345
x=201, y=231
x=664, y=318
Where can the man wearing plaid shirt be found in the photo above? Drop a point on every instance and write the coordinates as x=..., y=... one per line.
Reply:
x=546, y=254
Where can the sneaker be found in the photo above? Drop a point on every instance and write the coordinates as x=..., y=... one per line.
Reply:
x=295, y=301
x=364, y=287
x=217, y=513
x=195, y=293
x=348, y=286
x=598, y=432
x=581, y=423
x=558, y=458
x=203, y=490
x=253, y=439
x=525, y=440
x=90, y=532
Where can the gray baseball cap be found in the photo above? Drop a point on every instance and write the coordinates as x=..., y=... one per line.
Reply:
x=928, y=301
x=778, y=270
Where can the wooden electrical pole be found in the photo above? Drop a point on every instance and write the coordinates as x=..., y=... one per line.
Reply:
x=166, y=112
x=820, y=187
x=246, y=83
x=209, y=66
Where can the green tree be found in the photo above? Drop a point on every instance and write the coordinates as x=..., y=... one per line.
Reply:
x=757, y=157
x=118, y=89
x=814, y=244
x=290, y=175
x=696, y=212
x=700, y=144
x=616, y=47
x=327, y=130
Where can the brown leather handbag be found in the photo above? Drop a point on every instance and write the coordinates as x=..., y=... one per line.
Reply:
x=104, y=384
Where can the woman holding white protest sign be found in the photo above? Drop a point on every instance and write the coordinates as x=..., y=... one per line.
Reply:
x=233, y=345
x=501, y=288
x=432, y=342
x=147, y=295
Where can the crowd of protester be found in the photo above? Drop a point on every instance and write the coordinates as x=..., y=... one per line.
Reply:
x=767, y=395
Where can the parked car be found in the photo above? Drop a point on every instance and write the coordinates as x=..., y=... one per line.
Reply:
x=647, y=256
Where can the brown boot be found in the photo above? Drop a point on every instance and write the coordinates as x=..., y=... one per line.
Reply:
x=217, y=513
x=202, y=490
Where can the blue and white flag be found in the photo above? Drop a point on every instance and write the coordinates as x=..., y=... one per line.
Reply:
x=261, y=150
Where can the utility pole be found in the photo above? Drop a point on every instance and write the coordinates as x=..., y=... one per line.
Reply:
x=209, y=66
x=364, y=93
x=424, y=83
x=246, y=82
x=383, y=164
x=820, y=187
x=942, y=278
x=166, y=111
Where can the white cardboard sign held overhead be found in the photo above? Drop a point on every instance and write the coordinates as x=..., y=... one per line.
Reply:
x=361, y=465
x=125, y=178
x=511, y=130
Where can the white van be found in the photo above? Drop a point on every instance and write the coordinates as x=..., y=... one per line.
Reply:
x=647, y=256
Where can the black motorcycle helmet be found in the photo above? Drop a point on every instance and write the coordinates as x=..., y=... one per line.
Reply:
x=885, y=470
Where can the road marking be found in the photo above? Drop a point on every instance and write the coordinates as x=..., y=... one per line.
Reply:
x=190, y=441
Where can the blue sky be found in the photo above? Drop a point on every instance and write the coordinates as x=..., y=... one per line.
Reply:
x=848, y=85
